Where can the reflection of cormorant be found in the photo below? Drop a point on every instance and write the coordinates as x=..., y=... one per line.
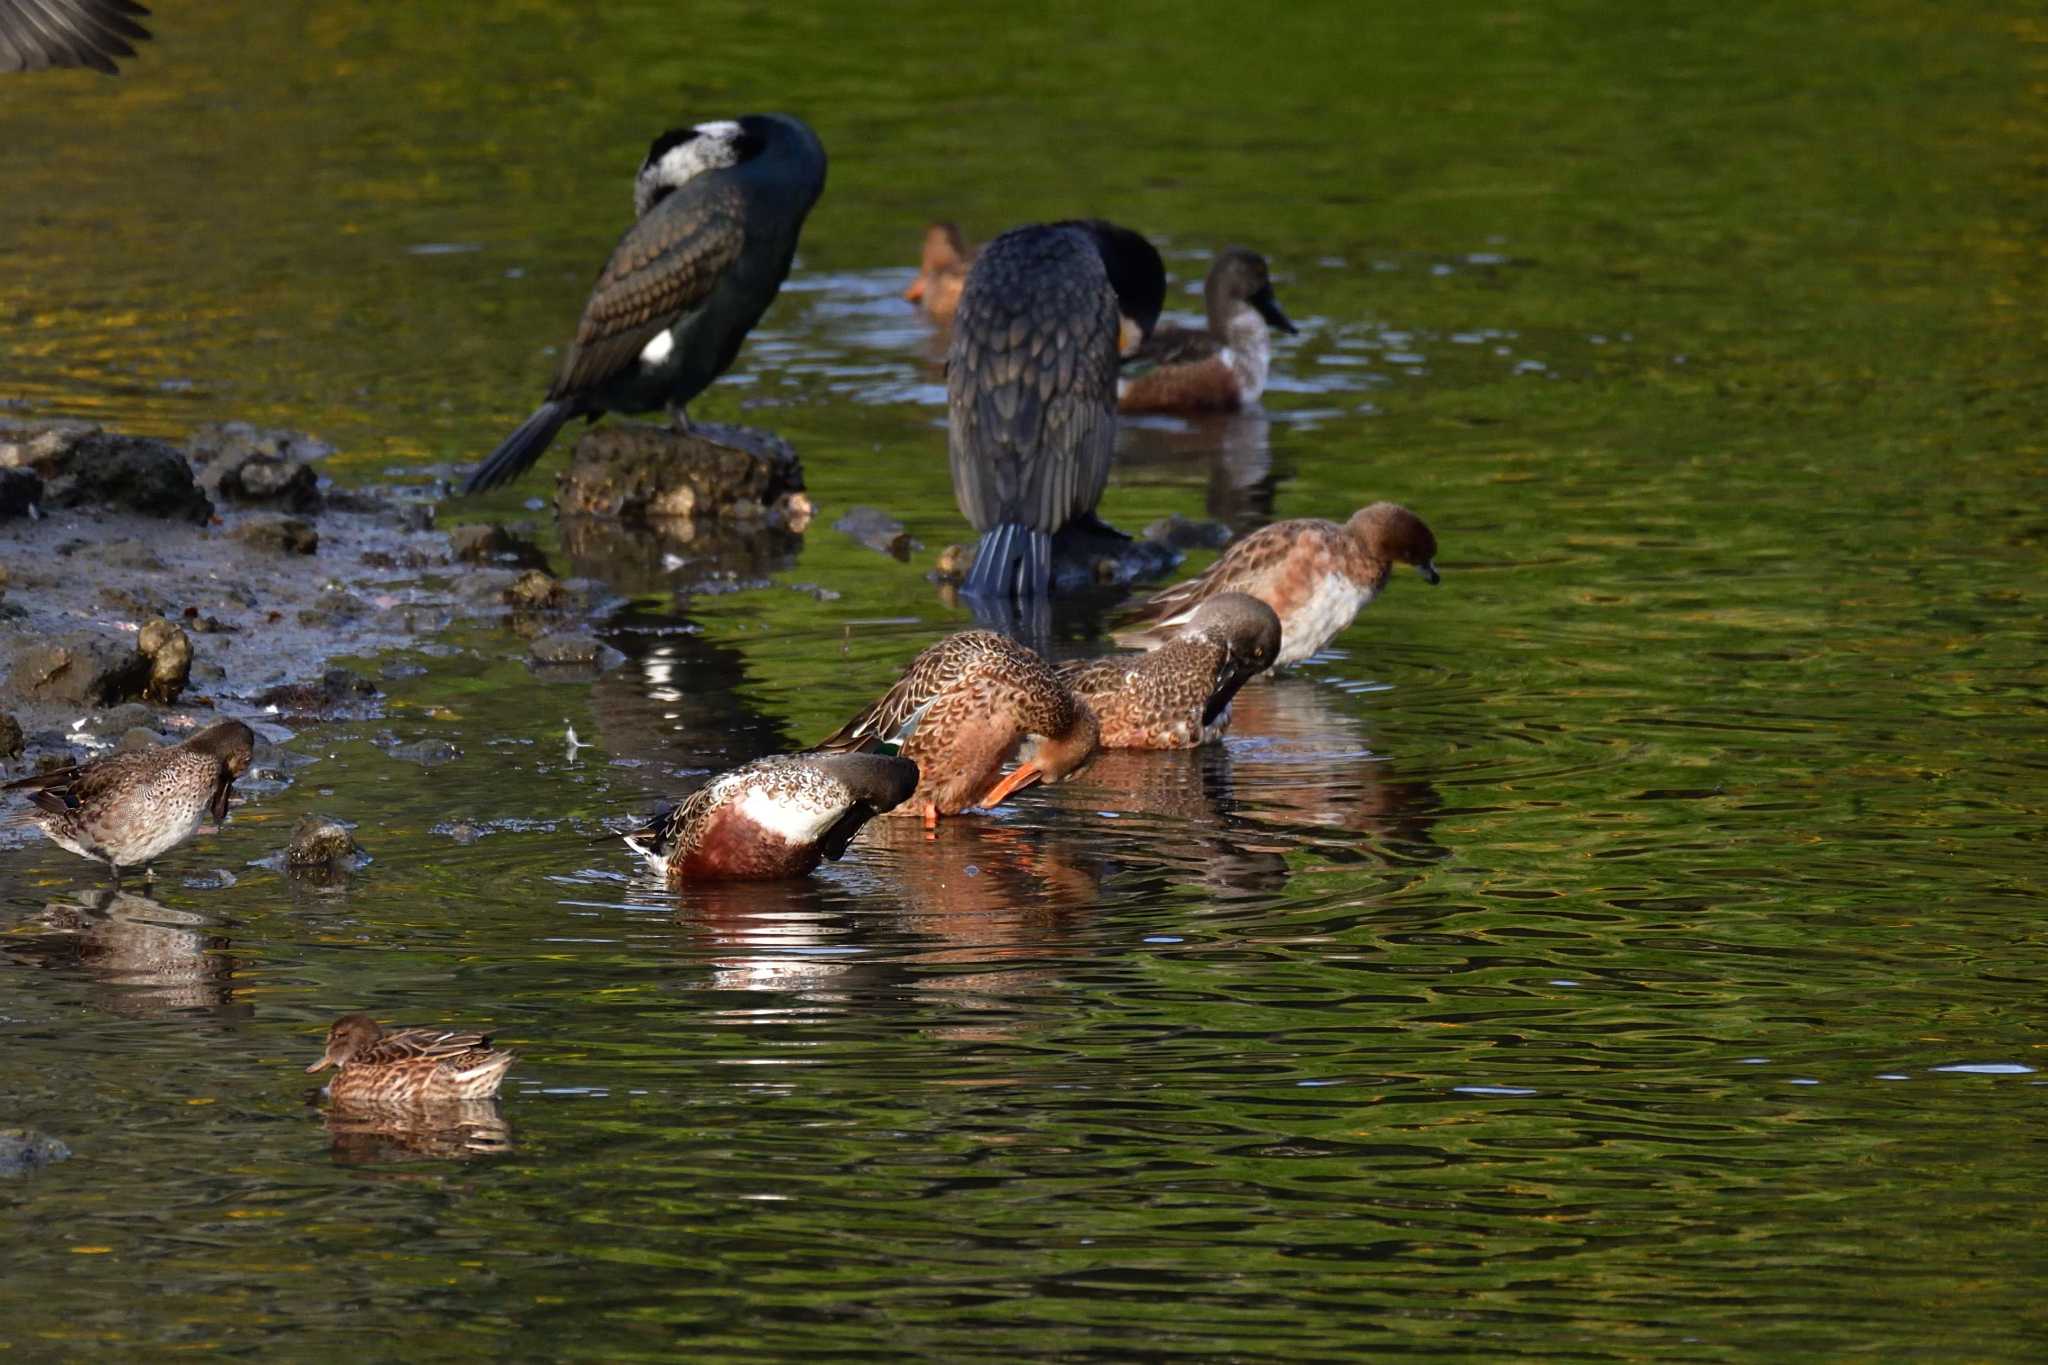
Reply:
x=679, y=702
x=37, y=34
x=1031, y=388
x=719, y=206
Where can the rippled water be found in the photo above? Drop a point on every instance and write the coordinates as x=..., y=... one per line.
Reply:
x=1630, y=948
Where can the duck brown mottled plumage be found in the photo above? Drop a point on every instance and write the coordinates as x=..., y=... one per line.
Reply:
x=967, y=703
x=773, y=818
x=1178, y=696
x=380, y=1066
x=1221, y=366
x=941, y=272
x=1316, y=576
x=127, y=809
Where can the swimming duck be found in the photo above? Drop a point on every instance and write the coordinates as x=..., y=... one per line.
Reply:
x=1316, y=576
x=718, y=208
x=128, y=809
x=1178, y=696
x=1219, y=368
x=961, y=709
x=941, y=273
x=773, y=818
x=38, y=34
x=1031, y=387
x=382, y=1067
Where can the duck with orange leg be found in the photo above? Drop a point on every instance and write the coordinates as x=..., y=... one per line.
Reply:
x=408, y=1066
x=941, y=272
x=1316, y=576
x=961, y=709
x=774, y=818
x=1217, y=368
x=1178, y=696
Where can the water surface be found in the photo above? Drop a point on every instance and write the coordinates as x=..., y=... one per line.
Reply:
x=1629, y=948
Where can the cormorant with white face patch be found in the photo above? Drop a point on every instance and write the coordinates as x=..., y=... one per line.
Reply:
x=718, y=207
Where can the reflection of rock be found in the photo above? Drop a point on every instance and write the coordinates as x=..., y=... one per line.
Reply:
x=632, y=470
x=148, y=958
x=456, y=1130
x=675, y=553
x=494, y=544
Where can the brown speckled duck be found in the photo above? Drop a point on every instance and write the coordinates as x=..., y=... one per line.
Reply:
x=773, y=818
x=961, y=709
x=408, y=1066
x=1316, y=576
x=128, y=809
x=1178, y=696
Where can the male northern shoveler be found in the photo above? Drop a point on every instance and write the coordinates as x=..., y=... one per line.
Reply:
x=409, y=1065
x=718, y=208
x=1316, y=576
x=1031, y=388
x=128, y=809
x=773, y=818
x=961, y=709
x=38, y=34
x=1178, y=696
x=1219, y=368
x=941, y=272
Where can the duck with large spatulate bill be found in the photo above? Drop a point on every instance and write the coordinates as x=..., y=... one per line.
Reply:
x=773, y=818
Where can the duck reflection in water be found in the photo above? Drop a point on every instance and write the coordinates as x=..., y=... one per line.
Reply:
x=145, y=958
x=450, y=1130
x=1230, y=454
x=1304, y=763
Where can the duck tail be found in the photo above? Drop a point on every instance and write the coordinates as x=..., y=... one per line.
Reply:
x=1011, y=561
x=517, y=452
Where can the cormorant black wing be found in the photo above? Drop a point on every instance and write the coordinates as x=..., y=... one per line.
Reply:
x=35, y=34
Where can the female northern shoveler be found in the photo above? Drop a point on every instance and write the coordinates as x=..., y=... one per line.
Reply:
x=773, y=818
x=941, y=272
x=1315, y=575
x=1178, y=696
x=127, y=809
x=959, y=711
x=1031, y=388
x=1216, y=369
x=408, y=1065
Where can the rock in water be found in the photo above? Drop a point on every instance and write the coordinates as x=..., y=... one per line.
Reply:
x=632, y=470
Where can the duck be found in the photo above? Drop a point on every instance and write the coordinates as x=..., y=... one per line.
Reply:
x=1316, y=575
x=1217, y=368
x=1031, y=368
x=961, y=709
x=129, y=809
x=1178, y=696
x=717, y=210
x=774, y=818
x=36, y=35
x=941, y=273
x=383, y=1067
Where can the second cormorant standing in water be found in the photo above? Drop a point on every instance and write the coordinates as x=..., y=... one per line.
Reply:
x=1031, y=387
x=719, y=206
